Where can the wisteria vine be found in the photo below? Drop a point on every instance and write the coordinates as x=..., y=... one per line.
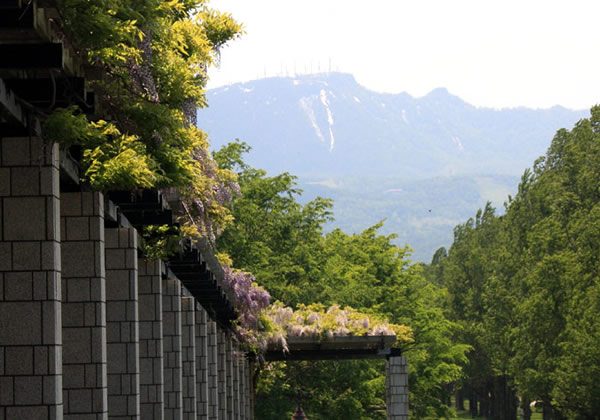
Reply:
x=251, y=301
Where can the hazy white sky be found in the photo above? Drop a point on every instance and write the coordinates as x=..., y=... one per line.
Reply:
x=496, y=53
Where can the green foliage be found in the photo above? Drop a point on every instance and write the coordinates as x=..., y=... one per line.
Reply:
x=151, y=57
x=282, y=243
x=525, y=286
x=111, y=160
x=159, y=242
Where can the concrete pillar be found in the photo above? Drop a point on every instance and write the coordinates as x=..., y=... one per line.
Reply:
x=151, y=339
x=236, y=382
x=201, y=362
x=396, y=384
x=222, y=373
x=213, y=371
x=30, y=288
x=188, y=355
x=247, y=390
x=172, y=349
x=242, y=385
x=229, y=375
x=83, y=306
x=122, y=323
x=250, y=396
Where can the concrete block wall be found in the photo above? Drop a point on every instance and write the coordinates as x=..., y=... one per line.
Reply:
x=151, y=339
x=213, y=371
x=83, y=306
x=30, y=285
x=222, y=374
x=397, y=388
x=188, y=356
x=248, y=393
x=108, y=338
x=122, y=323
x=172, y=360
x=229, y=375
x=201, y=362
x=236, y=383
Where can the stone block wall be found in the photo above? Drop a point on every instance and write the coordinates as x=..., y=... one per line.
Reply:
x=213, y=371
x=85, y=322
x=151, y=339
x=229, y=376
x=30, y=285
x=83, y=306
x=188, y=356
x=222, y=374
x=248, y=394
x=172, y=360
x=397, y=388
x=236, y=383
x=122, y=323
x=201, y=362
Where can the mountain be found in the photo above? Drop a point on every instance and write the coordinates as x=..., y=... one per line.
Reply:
x=367, y=150
x=330, y=125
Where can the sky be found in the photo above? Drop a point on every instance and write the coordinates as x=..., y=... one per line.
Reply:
x=490, y=53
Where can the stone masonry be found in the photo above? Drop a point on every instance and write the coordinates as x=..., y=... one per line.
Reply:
x=188, y=356
x=222, y=374
x=229, y=376
x=236, y=383
x=397, y=388
x=122, y=323
x=201, y=362
x=151, y=339
x=83, y=306
x=30, y=285
x=172, y=349
x=213, y=371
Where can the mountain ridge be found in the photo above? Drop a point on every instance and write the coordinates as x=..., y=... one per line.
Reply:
x=345, y=141
x=324, y=121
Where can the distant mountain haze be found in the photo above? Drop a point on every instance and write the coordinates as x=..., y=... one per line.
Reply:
x=365, y=149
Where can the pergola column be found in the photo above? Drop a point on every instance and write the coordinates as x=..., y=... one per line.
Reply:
x=201, y=362
x=396, y=384
x=122, y=323
x=151, y=339
x=172, y=349
x=83, y=306
x=248, y=394
x=188, y=353
x=236, y=382
x=30, y=285
x=222, y=373
x=213, y=371
x=229, y=365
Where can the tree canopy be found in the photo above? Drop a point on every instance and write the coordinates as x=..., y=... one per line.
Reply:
x=283, y=244
x=525, y=285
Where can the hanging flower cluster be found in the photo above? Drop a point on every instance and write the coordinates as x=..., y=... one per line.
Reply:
x=318, y=322
x=251, y=300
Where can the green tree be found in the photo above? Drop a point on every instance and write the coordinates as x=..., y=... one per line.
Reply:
x=282, y=243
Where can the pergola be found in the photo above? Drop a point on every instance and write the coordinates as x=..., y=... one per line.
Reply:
x=355, y=348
